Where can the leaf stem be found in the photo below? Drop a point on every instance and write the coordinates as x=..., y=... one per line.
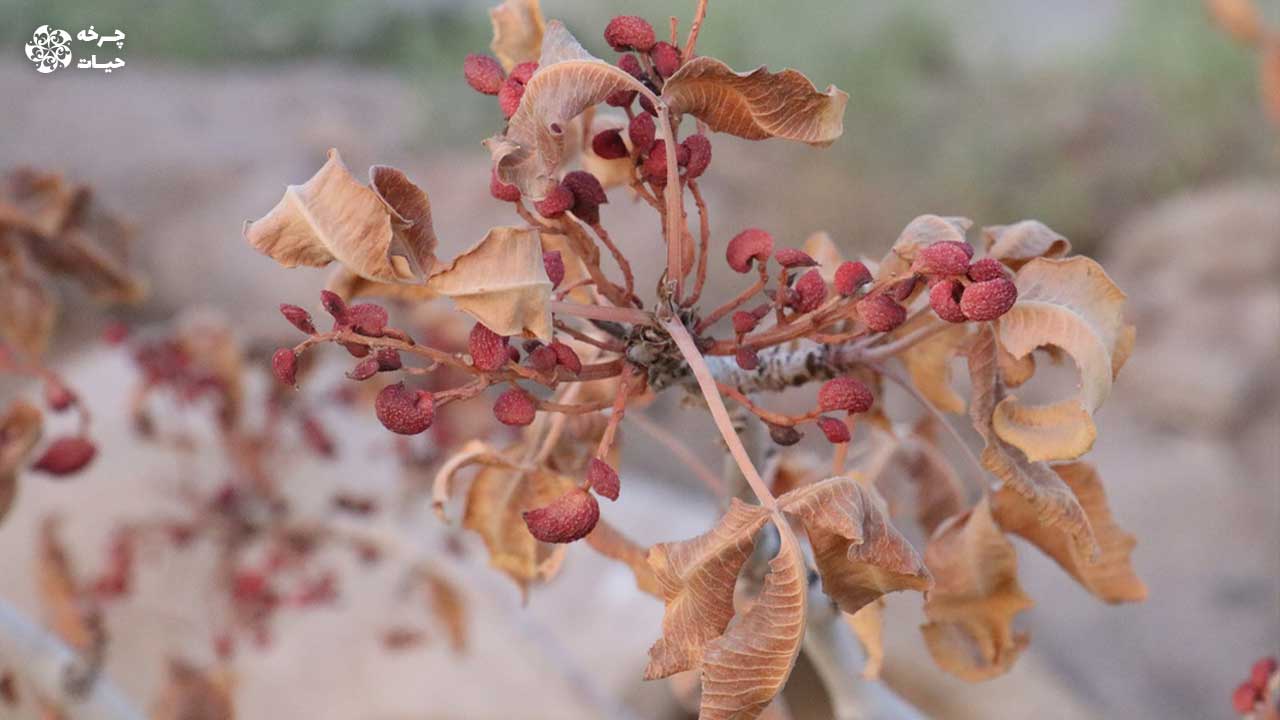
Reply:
x=707, y=383
x=673, y=197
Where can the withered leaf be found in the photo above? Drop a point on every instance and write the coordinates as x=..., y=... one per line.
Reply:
x=193, y=694
x=939, y=492
x=1022, y=241
x=494, y=504
x=1070, y=304
x=568, y=81
x=822, y=248
x=1054, y=503
x=868, y=626
x=1110, y=576
x=502, y=282
x=757, y=105
x=745, y=668
x=859, y=553
x=922, y=231
x=30, y=310
x=333, y=217
x=20, y=429
x=350, y=286
x=474, y=452
x=697, y=578
x=517, y=32
x=61, y=604
x=975, y=598
x=929, y=361
x=449, y=607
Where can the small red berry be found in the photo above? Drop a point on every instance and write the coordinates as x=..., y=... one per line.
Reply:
x=588, y=194
x=944, y=298
x=603, y=479
x=367, y=319
x=388, y=359
x=333, y=304
x=628, y=32
x=987, y=269
x=523, y=72
x=902, y=289
x=631, y=65
x=1245, y=698
x=666, y=58
x=364, y=369
x=284, y=363
x=643, y=132
x=750, y=244
x=881, y=313
x=66, y=455
x=566, y=356
x=483, y=73
x=542, y=359
x=298, y=317
x=835, y=430
x=744, y=322
x=1261, y=672
x=811, y=290
x=553, y=263
x=784, y=435
x=943, y=258
x=509, y=97
x=792, y=258
x=404, y=411
x=513, y=354
x=989, y=299
x=488, y=349
x=850, y=276
x=115, y=333
x=620, y=98
x=555, y=203
x=747, y=359
x=570, y=517
x=57, y=396
x=501, y=190
x=608, y=144
x=845, y=393
x=699, y=149
x=655, y=165
x=515, y=407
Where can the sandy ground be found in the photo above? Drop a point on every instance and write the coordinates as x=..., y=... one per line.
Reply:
x=1187, y=443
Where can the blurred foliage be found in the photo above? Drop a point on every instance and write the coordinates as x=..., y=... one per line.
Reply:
x=953, y=110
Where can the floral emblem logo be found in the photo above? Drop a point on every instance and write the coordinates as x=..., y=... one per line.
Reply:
x=49, y=49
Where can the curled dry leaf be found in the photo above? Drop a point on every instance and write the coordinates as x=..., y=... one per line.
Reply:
x=30, y=310
x=61, y=603
x=1110, y=576
x=502, y=282
x=333, y=217
x=1073, y=305
x=449, y=606
x=1022, y=241
x=20, y=429
x=929, y=361
x=193, y=694
x=745, y=668
x=568, y=81
x=868, y=626
x=517, y=32
x=975, y=598
x=698, y=577
x=756, y=105
x=475, y=452
x=822, y=248
x=350, y=286
x=939, y=492
x=859, y=553
x=1052, y=499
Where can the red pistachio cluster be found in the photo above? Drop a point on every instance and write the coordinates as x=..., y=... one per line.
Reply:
x=1253, y=692
x=960, y=290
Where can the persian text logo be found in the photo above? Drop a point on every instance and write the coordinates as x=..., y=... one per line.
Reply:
x=49, y=49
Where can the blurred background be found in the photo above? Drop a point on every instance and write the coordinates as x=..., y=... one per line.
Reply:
x=1134, y=128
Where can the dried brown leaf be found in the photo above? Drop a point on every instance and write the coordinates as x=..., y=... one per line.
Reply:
x=868, y=626
x=333, y=217
x=939, y=491
x=921, y=232
x=697, y=578
x=1022, y=241
x=30, y=310
x=517, y=32
x=1054, y=503
x=757, y=105
x=61, y=603
x=929, y=361
x=745, y=668
x=822, y=248
x=1110, y=576
x=611, y=543
x=859, y=553
x=449, y=606
x=1015, y=371
x=475, y=452
x=502, y=282
x=495, y=501
x=410, y=214
x=20, y=429
x=193, y=694
x=568, y=81
x=976, y=596
x=1073, y=305
x=350, y=286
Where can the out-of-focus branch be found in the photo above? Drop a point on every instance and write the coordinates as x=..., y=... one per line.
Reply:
x=52, y=669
